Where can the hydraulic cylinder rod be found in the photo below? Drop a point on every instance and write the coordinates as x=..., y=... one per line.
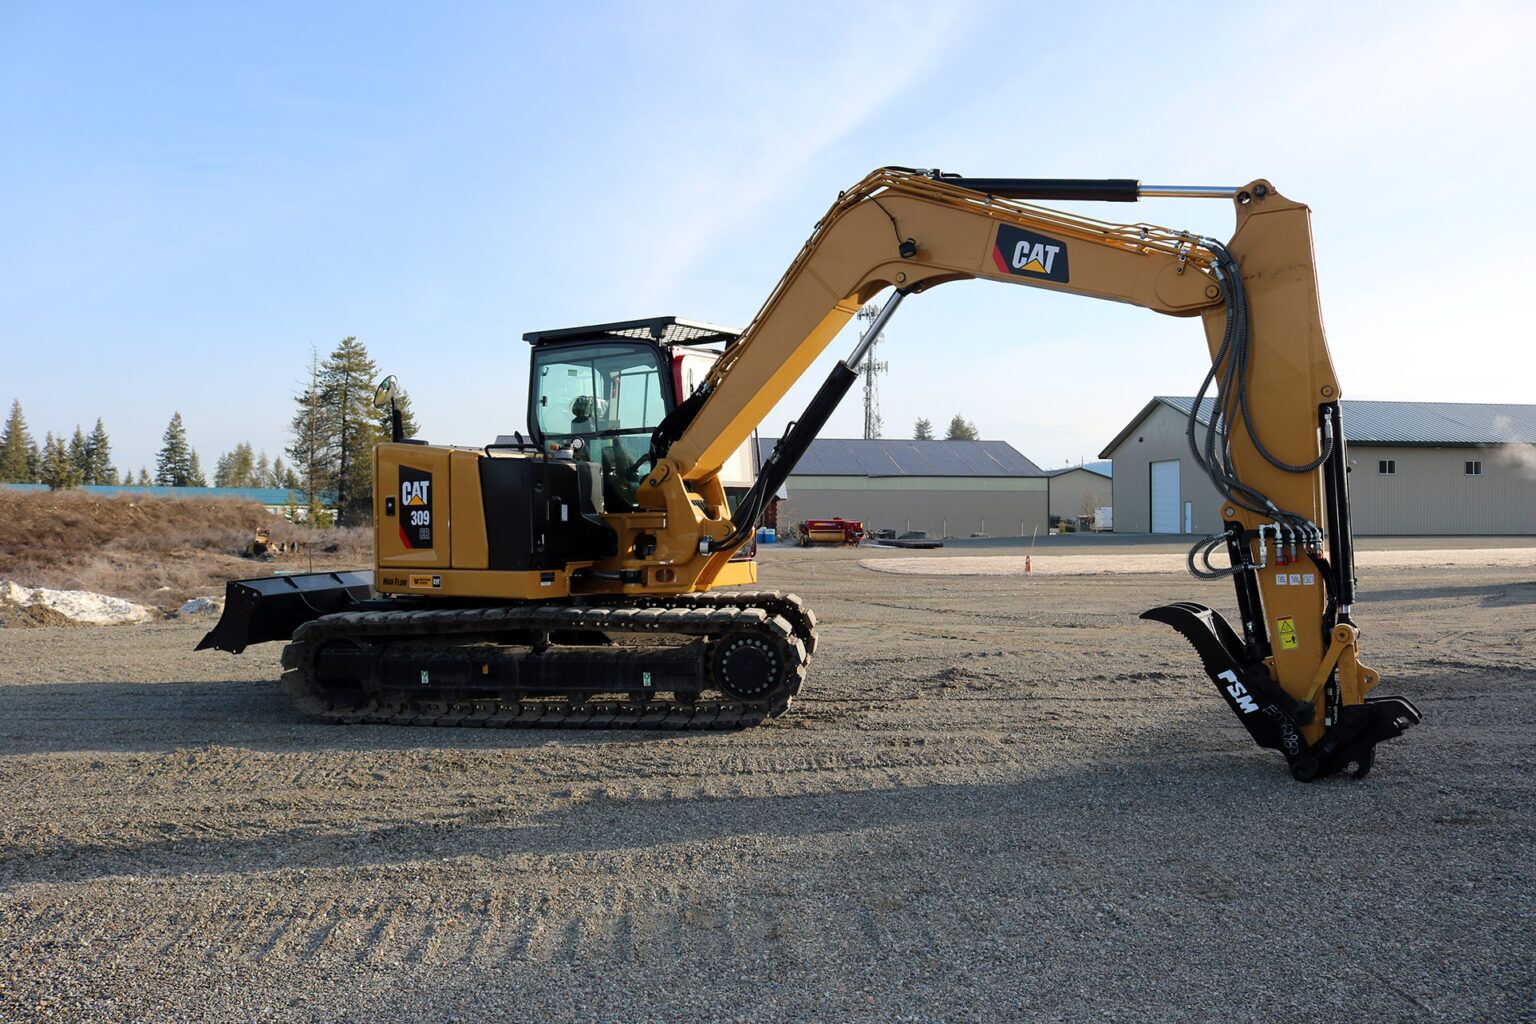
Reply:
x=873, y=334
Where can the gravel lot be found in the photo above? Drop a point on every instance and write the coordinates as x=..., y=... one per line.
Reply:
x=1001, y=798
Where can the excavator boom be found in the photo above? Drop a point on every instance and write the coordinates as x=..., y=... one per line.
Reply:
x=912, y=231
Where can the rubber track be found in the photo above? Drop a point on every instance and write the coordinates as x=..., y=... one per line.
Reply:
x=775, y=602
x=689, y=615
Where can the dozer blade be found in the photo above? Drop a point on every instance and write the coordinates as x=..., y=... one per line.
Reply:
x=272, y=607
x=1273, y=717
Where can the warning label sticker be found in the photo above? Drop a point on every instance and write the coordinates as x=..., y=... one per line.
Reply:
x=1286, y=627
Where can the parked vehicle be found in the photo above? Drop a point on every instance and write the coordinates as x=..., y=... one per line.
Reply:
x=836, y=531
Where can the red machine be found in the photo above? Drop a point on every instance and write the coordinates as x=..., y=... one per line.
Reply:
x=836, y=530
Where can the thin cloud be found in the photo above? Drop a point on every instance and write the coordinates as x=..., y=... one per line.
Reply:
x=801, y=122
x=1418, y=64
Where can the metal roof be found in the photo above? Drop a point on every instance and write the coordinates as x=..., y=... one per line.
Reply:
x=834, y=456
x=1429, y=424
x=1103, y=468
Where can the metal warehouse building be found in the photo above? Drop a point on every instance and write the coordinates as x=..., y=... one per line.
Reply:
x=945, y=488
x=1415, y=468
x=1080, y=491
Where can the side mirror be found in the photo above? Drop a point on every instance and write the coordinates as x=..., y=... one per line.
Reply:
x=384, y=392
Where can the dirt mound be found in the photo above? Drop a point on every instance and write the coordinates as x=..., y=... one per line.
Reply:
x=24, y=615
x=159, y=551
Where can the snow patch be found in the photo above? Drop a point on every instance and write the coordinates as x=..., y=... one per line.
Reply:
x=201, y=606
x=80, y=606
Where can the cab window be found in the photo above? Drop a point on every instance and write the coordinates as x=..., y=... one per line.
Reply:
x=610, y=396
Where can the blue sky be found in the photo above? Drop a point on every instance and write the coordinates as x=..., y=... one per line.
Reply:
x=193, y=195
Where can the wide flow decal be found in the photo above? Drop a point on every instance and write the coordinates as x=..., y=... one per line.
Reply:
x=1026, y=254
x=415, y=507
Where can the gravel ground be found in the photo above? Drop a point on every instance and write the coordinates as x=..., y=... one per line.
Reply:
x=1001, y=798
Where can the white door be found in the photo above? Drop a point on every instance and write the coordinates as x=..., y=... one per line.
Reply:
x=1165, y=496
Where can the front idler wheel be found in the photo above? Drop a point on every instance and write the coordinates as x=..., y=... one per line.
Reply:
x=748, y=666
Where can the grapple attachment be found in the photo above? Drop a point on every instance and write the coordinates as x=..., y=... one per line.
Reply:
x=1273, y=717
x=272, y=607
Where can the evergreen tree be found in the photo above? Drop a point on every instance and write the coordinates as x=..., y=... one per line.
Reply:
x=98, y=455
x=346, y=390
x=961, y=429
x=263, y=471
x=408, y=425
x=80, y=455
x=922, y=430
x=347, y=380
x=34, y=463
x=195, y=476
x=291, y=480
x=335, y=428
x=242, y=465
x=173, y=466
x=312, y=426
x=59, y=470
x=144, y=479
x=17, y=459
x=236, y=468
x=279, y=474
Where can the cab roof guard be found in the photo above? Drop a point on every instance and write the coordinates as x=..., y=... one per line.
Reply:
x=663, y=330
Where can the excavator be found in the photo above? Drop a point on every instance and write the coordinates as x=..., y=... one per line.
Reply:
x=599, y=572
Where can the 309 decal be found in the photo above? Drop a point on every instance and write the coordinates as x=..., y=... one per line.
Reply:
x=415, y=507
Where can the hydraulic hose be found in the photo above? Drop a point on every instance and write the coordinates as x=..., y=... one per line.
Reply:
x=1212, y=452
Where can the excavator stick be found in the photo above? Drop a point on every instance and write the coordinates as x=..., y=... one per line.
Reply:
x=1273, y=717
x=272, y=607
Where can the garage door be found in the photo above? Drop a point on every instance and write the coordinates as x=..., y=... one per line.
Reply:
x=1165, y=496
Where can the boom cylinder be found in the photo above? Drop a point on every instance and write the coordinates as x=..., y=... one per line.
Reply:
x=1105, y=190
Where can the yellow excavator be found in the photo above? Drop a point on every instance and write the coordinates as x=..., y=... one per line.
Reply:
x=598, y=572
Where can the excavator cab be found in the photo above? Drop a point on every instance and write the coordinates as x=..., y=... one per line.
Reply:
x=601, y=391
